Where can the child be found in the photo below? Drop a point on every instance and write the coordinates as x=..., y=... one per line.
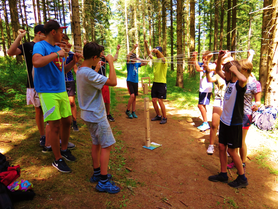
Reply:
x=230, y=132
x=132, y=80
x=159, y=88
x=89, y=85
x=205, y=89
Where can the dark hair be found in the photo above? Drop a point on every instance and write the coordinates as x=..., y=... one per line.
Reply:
x=91, y=49
x=51, y=25
x=133, y=56
x=102, y=47
x=229, y=64
x=39, y=28
x=65, y=37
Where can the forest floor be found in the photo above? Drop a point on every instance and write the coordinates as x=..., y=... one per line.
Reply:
x=174, y=175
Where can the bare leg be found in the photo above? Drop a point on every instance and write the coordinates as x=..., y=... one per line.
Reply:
x=104, y=160
x=223, y=157
x=39, y=120
x=162, y=107
x=236, y=159
x=96, y=155
x=203, y=111
x=47, y=139
x=243, y=149
x=130, y=101
x=155, y=106
x=134, y=104
x=65, y=132
x=107, y=108
x=73, y=107
x=216, y=113
x=54, y=138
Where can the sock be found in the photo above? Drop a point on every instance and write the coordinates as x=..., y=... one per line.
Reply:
x=63, y=150
x=243, y=177
x=97, y=171
x=74, y=122
x=103, y=178
x=43, y=136
x=223, y=175
x=159, y=116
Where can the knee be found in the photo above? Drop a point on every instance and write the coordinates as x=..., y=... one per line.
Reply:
x=214, y=125
x=132, y=96
x=222, y=147
x=154, y=100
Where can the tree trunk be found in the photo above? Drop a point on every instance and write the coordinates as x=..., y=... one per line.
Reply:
x=189, y=66
x=8, y=31
x=76, y=24
x=229, y=25
x=26, y=21
x=159, y=22
x=85, y=18
x=192, y=34
x=21, y=18
x=272, y=73
x=48, y=9
x=164, y=32
x=221, y=25
x=210, y=26
x=216, y=19
x=14, y=22
x=264, y=45
x=172, y=34
x=135, y=27
x=233, y=47
x=44, y=11
x=35, y=12
x=144, y=25
x=2, y=37
x=150, y=24
x=179, y=81
x=39, y=11
x=199, y=28
x=126, y=29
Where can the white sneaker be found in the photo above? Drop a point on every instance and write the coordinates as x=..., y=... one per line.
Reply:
x=205, y=126
x=210, y=149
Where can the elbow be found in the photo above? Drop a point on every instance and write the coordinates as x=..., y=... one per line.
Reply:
x=10, y=53
x=114, y=83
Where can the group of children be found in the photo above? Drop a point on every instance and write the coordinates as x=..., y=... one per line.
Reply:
x=51, y=89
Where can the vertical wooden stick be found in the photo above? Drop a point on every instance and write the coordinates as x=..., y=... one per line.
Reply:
x=147, y=118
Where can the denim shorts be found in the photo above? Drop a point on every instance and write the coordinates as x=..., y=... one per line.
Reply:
x=101, y=133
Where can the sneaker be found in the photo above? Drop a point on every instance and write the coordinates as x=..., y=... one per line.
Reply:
x=42, y=141
x=238, y=183
x=70, y=145
x=210, y=149
x=107, y=187
x=156, y=118
x=205, y=126
x=110, y=118
x=217, y=178
x=134, y=115
x=163, y=121
x=61, y=166
x=231, y=165
x=67, y=155
x=94, y=178
x=74, y=126
x=228, y=154
x=128, y=113
x=46, y=149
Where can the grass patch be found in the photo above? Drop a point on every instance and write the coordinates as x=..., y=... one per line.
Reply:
x=262, y=159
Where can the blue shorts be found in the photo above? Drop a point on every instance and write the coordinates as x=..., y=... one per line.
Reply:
x=247, y=121
x=204, y=98
x=101, y=133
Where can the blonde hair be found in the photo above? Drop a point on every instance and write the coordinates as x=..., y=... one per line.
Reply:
x=206, y=53
x=246, y=64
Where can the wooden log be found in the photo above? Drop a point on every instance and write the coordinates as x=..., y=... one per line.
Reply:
x=147, y=124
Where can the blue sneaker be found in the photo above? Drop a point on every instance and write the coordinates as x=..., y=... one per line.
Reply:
x=134, y=115
x=205, y=126
x=107, y=187
x=94, y=178
x=42, y=141
x=129, y=115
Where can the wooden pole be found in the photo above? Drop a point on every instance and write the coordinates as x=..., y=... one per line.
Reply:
x=147, y=118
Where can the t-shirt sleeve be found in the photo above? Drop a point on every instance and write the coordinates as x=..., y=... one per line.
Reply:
x=38, y=49
x=20, y=47
x=69, y=58
x=239, y=88
x=138, y=64
x=96, y=79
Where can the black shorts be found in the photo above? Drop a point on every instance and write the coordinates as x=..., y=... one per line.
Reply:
x=204, y=98
x=132, y=88
x=230, y=135
x=70, y=87
x=159, y=90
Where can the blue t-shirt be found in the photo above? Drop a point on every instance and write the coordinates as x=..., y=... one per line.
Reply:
x=69, y=75
x=50, y=78
x=132, y=71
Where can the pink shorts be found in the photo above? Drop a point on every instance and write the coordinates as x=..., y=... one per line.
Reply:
x=106, y=94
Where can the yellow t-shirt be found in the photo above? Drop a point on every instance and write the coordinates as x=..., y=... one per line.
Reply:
x=159, y=70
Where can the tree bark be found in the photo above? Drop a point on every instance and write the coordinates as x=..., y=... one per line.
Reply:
x=35, y=12
x=272, y=73
x=188, y=35
x=26, y=21
x=150, y=23
x=210, y=26
x=2, y=37
x=192, y=34
x=264, y=45
x=216, y=19
x=179, y=81
x=159, y=22
x=221, y=25
x=229, y=25
x=39, y=11
x=233, y=46
x=85, y=18
x=199, y=28
x=164, y=33
x=7, y=23
x=172, y=34
x=144, y=24
x=44, y=11
x=76, y=24
x=135, y=27
x=21, y=18
x=126, y=28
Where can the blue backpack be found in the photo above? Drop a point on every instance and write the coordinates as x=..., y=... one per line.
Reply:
x=264, y=118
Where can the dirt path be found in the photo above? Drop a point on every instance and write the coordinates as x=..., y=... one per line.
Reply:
x=175, y=175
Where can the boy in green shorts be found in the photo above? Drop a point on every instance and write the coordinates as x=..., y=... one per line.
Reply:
x=49, y=81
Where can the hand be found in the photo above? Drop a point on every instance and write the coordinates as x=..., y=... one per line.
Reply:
x=146, y=42
x=209, y=56
x=135, y=46
x=154, y=50
x=109, y=58
x=118, y=47
x=251, y=52
x=206, y=67
x=102, y=63
x=61, y=53
x=98, y=66
x=21, y=33
x=67, y=47
x=76, y=57
x=254, y=107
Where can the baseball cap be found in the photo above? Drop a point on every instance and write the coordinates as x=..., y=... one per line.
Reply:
x=159, y=48
x=39, y=28
x=52, y=25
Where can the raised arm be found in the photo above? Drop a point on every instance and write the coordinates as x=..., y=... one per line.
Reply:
x=159, y=55
x=251, y=54
x=195, y=62
x=148, y=50
x=143, y=62
x=241, y=78
x=112, y=79
x=14, y=50
x=131, y=52
x=117, y=53
x=71, y=64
